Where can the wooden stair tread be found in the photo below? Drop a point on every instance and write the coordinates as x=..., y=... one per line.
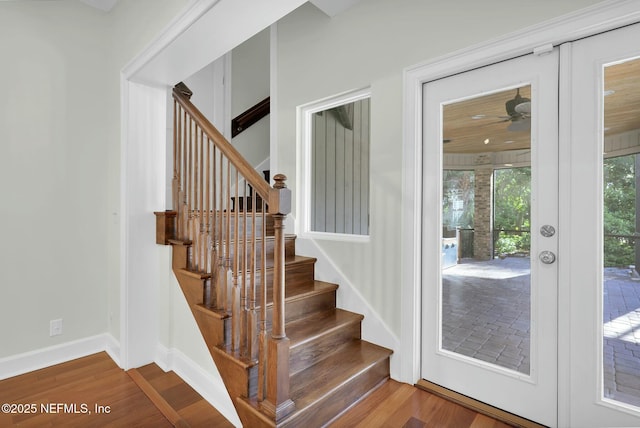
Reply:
x=226, y=352
x=321, y=379
x=316, y=287
x=312, y=289
x=216, y=313
x=184, y=242
x=289, y=262
x=296, y=260
x=317, y=324
x=193, y=274
x=292, y=261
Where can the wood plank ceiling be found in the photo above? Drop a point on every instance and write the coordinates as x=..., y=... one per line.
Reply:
x=481, y=124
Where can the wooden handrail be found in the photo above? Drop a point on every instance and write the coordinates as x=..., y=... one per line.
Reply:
x=208, y=174
x=247, y=118
x=244, y=167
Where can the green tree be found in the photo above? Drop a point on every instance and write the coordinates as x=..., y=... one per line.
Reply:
x=619, y=194
x=512, y=209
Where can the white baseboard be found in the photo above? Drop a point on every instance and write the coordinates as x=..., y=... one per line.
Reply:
x=210, y=387
x=15, y=365
x=374, y=329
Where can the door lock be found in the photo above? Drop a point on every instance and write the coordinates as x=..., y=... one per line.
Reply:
x=547, y=231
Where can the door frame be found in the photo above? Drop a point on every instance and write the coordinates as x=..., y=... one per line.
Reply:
x=539, y=38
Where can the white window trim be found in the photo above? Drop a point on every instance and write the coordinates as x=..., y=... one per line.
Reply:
x=304, y=115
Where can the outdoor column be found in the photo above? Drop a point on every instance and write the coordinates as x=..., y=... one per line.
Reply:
x=483, y=209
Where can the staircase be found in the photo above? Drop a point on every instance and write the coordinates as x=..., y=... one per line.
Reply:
x=287, y=355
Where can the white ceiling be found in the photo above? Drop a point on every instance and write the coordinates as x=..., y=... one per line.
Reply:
x=105, y=5
x=330, y=7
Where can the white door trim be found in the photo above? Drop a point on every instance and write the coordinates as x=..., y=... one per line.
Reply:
x=601, y=17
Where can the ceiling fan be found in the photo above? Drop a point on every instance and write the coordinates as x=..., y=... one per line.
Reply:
x=518, y=113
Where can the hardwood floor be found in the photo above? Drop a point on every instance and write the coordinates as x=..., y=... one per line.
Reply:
x=183, y=399
x=85, y=384
x=97, y=393
x=399, y=405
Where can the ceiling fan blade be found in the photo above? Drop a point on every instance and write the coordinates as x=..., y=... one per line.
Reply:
x=520, y=125
x=505, y=120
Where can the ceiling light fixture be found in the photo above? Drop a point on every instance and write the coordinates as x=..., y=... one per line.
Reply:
x=486, y=141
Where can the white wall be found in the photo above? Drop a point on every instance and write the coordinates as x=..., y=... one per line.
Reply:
x=60, y=164
x=369, y=45
x=202, y=86
x=53, y=174
x=250, y=85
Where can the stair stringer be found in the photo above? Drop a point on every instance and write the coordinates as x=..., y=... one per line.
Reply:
x=236, y=375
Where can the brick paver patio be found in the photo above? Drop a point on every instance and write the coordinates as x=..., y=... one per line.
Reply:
x=486, y=310
x=622, y=335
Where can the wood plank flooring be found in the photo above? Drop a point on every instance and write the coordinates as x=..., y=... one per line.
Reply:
x=190, y=405
x=95, y=380
x=92, y=381
x=399, y=405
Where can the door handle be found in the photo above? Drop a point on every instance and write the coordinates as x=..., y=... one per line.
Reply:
x=547, y=257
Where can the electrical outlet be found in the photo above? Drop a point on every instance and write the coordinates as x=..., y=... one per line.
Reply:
x=55, y=327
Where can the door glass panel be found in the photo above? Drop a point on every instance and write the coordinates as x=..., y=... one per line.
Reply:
x=486, y=269
x=621, y=287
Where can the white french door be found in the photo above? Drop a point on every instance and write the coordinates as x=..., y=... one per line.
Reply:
x=531, y=257
x=599, y=322
x=489, y=276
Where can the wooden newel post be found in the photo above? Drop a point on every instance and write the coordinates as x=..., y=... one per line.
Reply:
x=278, y=402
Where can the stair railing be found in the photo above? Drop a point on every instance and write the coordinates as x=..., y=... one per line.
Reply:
x=226, y=223
x=247, y=118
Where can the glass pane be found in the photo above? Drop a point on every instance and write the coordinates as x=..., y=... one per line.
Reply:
x=486, y=228
x=621, y=288
x=340, y=169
